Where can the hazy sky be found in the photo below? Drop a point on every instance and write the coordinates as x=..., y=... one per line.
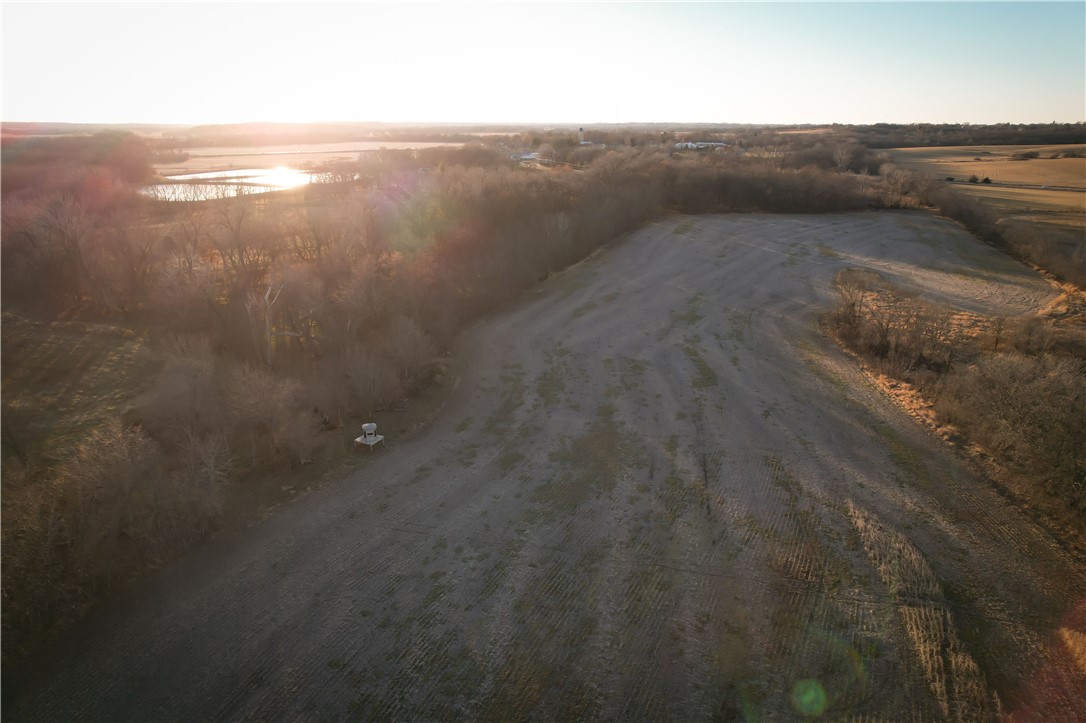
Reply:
x=582, y=63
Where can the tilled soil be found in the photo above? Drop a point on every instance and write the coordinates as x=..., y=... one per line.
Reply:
x=659, y=492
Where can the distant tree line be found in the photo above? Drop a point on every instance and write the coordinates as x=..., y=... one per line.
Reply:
x=97, y=171
x=895, y=135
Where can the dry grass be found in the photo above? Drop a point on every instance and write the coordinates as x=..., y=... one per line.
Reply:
x=806, y=132
x=1029, y=200
x=1076, y=645
x=1057, y=209
x=996, y=163
x=1007, y=390
x=301, y=155
x=61, y=379
x=954, y=677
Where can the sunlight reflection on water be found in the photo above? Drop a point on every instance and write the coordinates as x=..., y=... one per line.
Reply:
x=224, y=184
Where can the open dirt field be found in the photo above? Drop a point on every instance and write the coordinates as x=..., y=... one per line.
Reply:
x=658, y=492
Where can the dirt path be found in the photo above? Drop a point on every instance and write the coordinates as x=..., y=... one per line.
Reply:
x=659, y=492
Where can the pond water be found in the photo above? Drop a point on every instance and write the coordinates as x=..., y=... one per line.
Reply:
x=197, y=178
x=224, y=184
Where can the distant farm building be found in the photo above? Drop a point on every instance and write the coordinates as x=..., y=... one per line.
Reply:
x=699, y=145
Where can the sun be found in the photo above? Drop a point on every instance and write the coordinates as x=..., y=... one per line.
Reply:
x=283, y=177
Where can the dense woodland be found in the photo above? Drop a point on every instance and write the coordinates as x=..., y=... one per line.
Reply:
x=277, y=318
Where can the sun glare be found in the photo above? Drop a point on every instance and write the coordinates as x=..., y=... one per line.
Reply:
x=283, y=177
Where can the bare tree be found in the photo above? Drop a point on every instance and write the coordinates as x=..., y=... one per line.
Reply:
x=895, y=183
x=259, y=308
x=186, y=395
x=922, y=186
x=411, y=350
x=259, y=404
x=843, y=155
x=207, y=464
x=184, y=242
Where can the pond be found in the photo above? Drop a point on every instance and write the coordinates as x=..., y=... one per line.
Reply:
x=224, y=184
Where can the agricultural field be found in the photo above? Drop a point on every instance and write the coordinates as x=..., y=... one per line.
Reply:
x=62, y=378
x=1070, y=204
x=658, y=491
x=303, y=155
x=999, y=164
x=1041, y=197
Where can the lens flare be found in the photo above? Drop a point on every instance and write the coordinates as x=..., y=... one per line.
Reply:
x=809, y=698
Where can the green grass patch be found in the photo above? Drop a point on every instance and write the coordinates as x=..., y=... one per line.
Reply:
x=512, y=399
x=584, y=309
x=551, y=384
x=596, y=460
x=706, y=377
x=683, y=227
x=508, y=460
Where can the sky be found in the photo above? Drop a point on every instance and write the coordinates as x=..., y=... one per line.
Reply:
x=763, y=62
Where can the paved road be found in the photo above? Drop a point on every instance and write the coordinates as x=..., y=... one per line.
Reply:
x=659, y=492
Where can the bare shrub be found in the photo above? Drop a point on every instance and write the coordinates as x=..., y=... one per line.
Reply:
x=1031, y=335
x=205, y=465
x=110, y=489
x=260, y=405
x=357, y=303
x=39, y=585
x=922, y=186
x=1030, y=410
x=45, y=253
x=371, y=382
x=187, y=301
x=21, y=433
x=410, y=350
x=111, y=508
x=123, y=262
x=899, y=334
x=842, y=156
x=186, y=394
x=1027, y=406
x=896, y=183
x=326, y=390
x=301, y=437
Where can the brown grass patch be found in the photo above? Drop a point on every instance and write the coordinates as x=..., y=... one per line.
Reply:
x=952, y=674
x=1027, y=199
x=997, y=162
